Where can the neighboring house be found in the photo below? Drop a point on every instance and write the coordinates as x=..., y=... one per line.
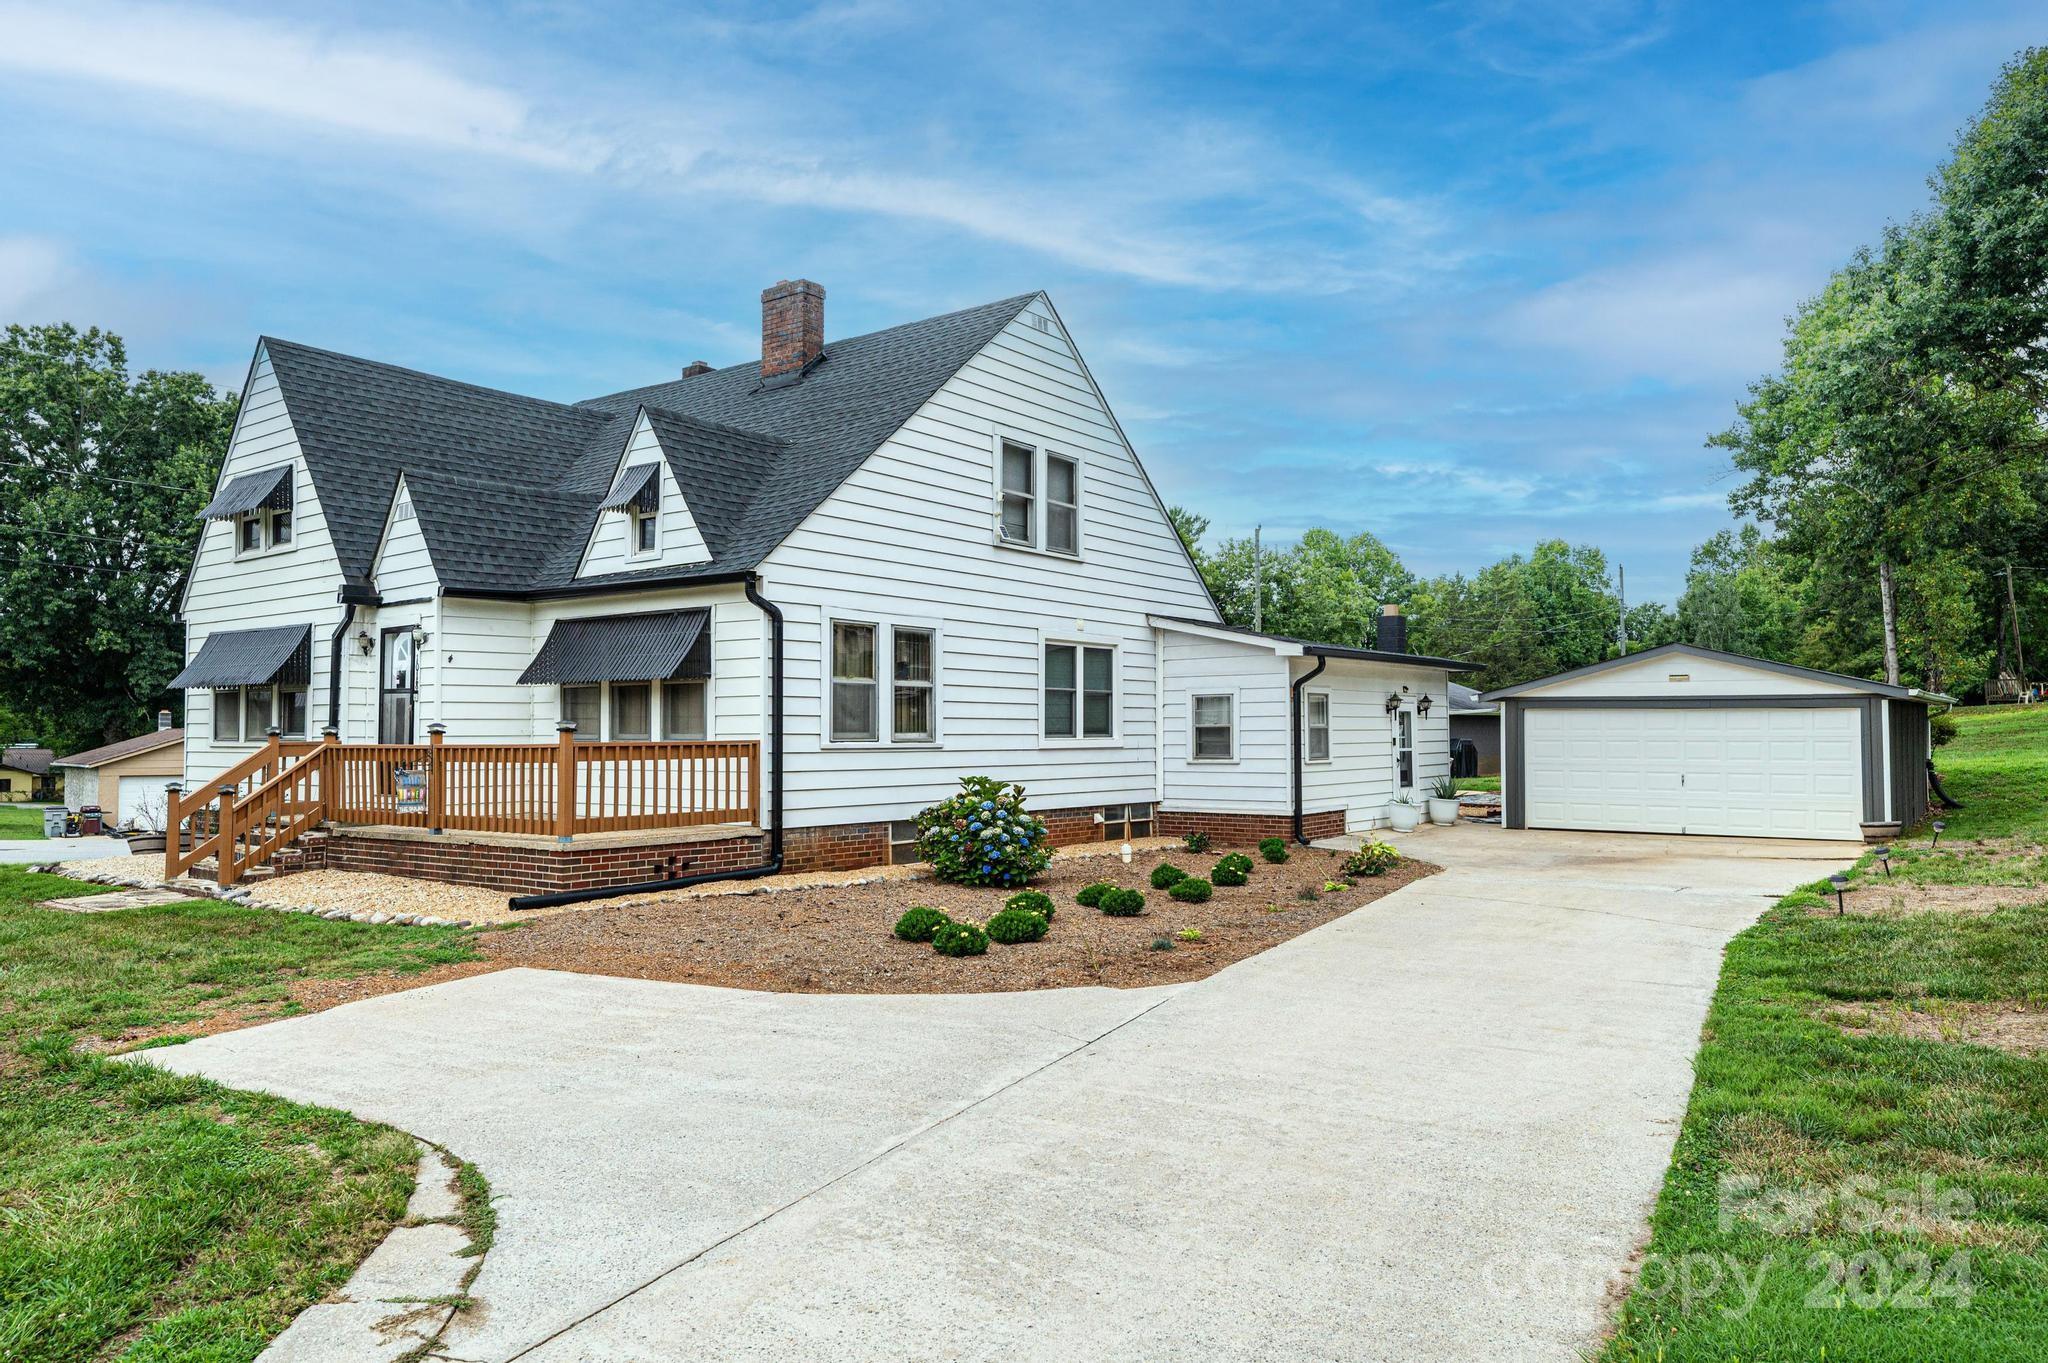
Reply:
x=25, y=774
x=969, y=567
x=1474, y=722
x=126, y=780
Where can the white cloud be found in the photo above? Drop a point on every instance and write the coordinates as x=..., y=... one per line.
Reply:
x=30, y=270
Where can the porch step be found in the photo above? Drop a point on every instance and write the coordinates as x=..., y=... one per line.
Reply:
x=205, y=870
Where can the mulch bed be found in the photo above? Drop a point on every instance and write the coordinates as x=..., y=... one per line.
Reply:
x=837, y=939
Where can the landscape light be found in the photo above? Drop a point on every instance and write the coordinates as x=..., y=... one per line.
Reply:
x=1125, y=853
x=1938, y=826
x=1884, y=854
x=1841, y=883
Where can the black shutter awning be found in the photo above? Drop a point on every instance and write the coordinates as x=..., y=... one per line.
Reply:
x=638, y=487
x=282, y=654
x=661, y=646
x=271, y=488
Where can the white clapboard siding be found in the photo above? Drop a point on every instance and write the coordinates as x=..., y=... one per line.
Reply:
x=679, y=542
x=909, y=539
x=1359, y=777
x=1256, y=780
x=293, y=585
x=403, y=569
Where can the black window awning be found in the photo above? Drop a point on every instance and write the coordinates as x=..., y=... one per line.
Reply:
x=659, y=646
x=268, y=488
x=282, y=654
x=638, y=487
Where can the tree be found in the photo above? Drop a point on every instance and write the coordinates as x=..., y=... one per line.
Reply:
x=1324, y=587
x=101, y=479
x=1191, y=528
x=1739, y=599
x=1520, y=618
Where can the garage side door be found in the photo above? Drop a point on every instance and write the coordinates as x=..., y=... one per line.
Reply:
x=1750, y=772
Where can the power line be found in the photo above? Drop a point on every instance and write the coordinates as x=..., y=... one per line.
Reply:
x=6, y=463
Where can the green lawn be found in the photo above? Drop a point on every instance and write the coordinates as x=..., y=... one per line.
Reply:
x=149, y=1217
x=1952, y=1138
x=1491, y=783
x=21, y=821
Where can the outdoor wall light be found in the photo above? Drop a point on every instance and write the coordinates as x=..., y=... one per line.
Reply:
x=364, y=643
x=1841, y=883
x=1884, y=854
x=1422, y=705
x=1393, y=702
x=1938, y=826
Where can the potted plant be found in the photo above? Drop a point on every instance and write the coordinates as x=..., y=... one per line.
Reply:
x=1443, y=800
x=1403, y=814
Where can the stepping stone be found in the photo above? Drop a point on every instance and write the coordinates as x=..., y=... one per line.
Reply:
x=119, y=899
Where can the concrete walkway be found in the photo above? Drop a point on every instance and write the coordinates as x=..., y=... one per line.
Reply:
x=39, y=850
x=1428, y=1130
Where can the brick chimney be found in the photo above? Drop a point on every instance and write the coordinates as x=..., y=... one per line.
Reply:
x=163, y=720
x=792, y=328
x=1393, y=636
x=694, y=368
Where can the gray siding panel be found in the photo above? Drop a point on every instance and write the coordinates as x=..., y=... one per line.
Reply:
x=1909, y=762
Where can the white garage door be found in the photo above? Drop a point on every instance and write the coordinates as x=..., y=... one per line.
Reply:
x=142, y=802
x=1750, y=772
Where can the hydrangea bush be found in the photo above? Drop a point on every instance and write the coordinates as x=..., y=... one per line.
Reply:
x=1373, y=859
x=983, y=836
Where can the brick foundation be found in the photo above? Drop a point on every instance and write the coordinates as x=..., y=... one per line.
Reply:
x=529, y=869
x=1244, y=830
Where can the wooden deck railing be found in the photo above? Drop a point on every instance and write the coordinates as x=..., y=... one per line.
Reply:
x=263, y=804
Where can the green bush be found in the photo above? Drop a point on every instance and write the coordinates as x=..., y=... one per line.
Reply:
x=1273, y=849
x=1944, y=728
x=1197, y=842
x=1165, y=874
x=963, y=939
x=1193, y=890
x=1234, y=869
x=1090, y=896
x=1031, y=901
x=982, y=836
x=1123, y=903
x=1373, y=859
x=1012, y=926
x=1189, y=934
x=918, y=924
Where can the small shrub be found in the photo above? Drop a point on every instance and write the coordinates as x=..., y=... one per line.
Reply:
x=1196, y=842
x=1012, y=926
x=1162, y=944
x=982, y=836
x=918, y=924
x=1234, y=869
x=1123, y=903
x=1193, y=890
x=1031, y=901
x=1944, y=728
x=1373, y=859
x=1090, y=896
x=1189, y=934
x=1336, y=886
x=1273, y=849
x=1165, y=874
x=1307, y=894
x=963, y=939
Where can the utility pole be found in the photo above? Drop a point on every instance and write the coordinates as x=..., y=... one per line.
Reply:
x=1621, y=625
x=1258, y=584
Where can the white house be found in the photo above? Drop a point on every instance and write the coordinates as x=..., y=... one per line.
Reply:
x=967, y=566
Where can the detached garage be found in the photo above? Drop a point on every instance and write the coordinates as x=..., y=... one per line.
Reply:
x=1687, y=740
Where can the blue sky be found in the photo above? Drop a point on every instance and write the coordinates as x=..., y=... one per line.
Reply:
x=1466, y=276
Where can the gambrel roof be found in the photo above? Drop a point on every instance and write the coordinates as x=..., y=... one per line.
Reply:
x=507, y=487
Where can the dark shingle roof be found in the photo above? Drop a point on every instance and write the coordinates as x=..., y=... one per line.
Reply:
x=35, y=761
x=489, y=469
x=127, y=747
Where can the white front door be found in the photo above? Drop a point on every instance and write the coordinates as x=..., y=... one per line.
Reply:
x=1404, y=750
x=1740, y=771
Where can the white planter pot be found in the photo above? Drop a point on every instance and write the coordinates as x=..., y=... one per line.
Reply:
x=1443, y=811
x=1403, y=818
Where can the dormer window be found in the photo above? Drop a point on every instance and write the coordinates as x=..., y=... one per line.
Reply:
x=636, y=492
x=1038, y=497
x=646, y=531
x=259, y=508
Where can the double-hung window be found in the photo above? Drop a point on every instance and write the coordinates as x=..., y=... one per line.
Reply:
x=682, y=709
x=1039, y=498
x=227, y=715
x=1317, y=722
x=632, y=711
x=854, y=683
x=583, y=706
x=1080, y=691
x=910, y=718
x=1215, y=730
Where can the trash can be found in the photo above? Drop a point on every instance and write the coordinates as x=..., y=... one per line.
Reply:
x=53, y=820
x=89, y=821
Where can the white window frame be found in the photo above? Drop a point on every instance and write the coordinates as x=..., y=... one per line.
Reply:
x=266, y=520
x=260, y=734
x=1308, y=747
x=1040, y=539
x=1082, y=739
x=611, y=712
x=661, y=690
x=885, y=683
x=931, y=687
x=833, y=681
x=634, y=519
x=1213, y=693
x=562, y=709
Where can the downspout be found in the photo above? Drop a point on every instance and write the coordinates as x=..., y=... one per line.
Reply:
x=348, y=615
x=770, y=867
x=1294, y=725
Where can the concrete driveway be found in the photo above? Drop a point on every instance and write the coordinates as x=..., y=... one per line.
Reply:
x=1428, y=1130
x=39, y=850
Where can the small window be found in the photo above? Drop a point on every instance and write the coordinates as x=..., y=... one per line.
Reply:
x=6, y=785
x=256, y=711
x=682, y=709
x=902, y=842
x=1126, y=821
x=1213, y=729
x=911, y=711
x=227, y=715
x=249, y=533
x=1062, y=505
x=1018, y=502
x=292, y=711
x=1318, y=726
x=280, y=527
x=582, y=706
x=853, y=683
x=1080, y=691
x=632, y=711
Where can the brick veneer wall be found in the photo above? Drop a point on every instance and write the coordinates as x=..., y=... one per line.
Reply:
x=1246, y=829
x=530, y=870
